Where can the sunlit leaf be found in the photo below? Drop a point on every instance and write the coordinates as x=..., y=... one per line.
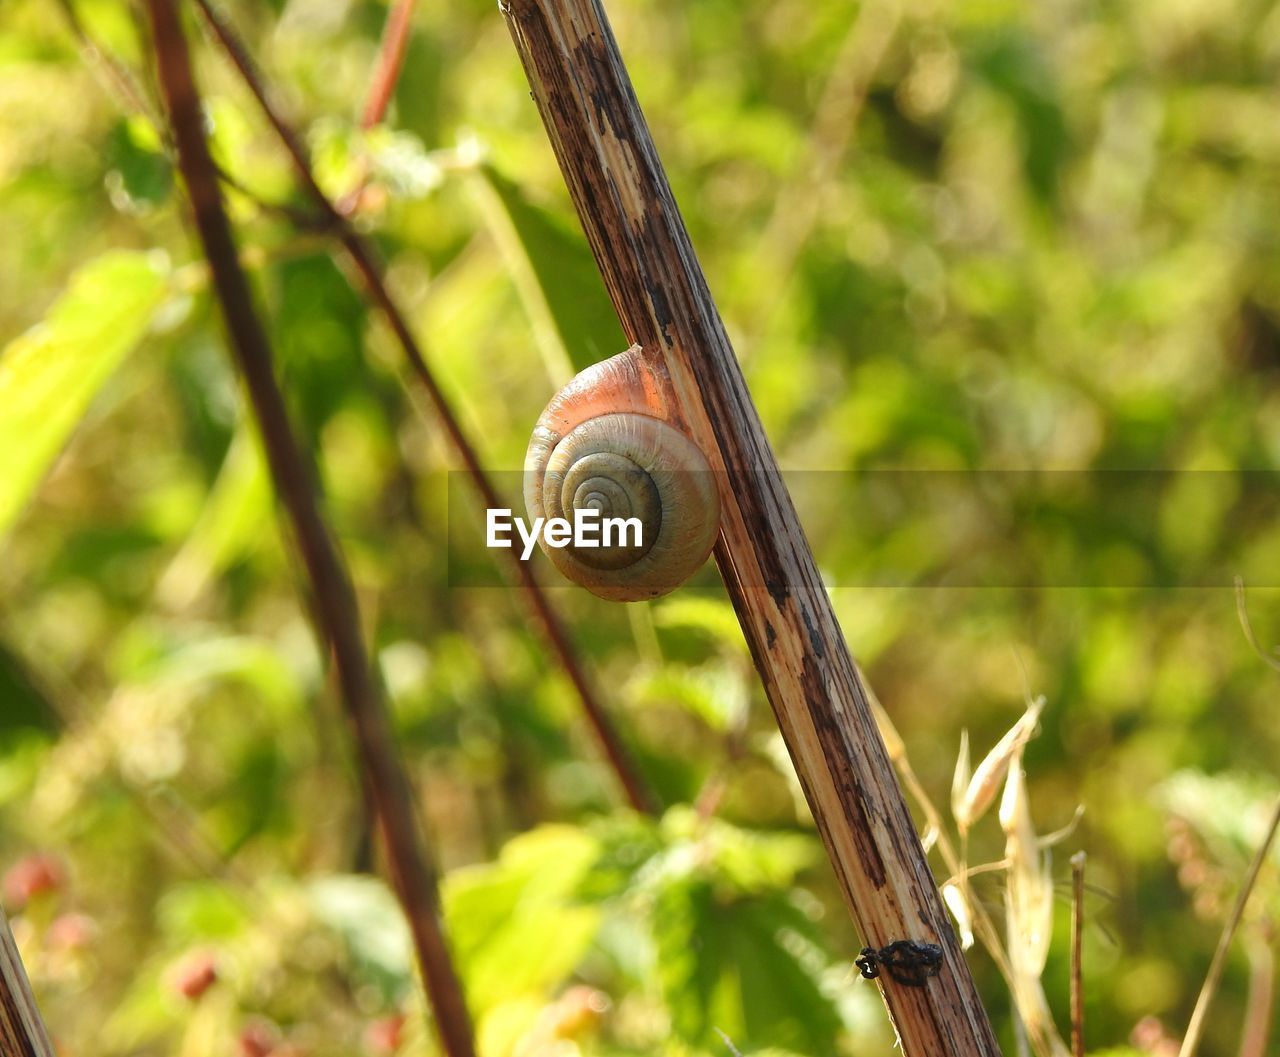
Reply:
x=203, y=910
x=230, y=524
x=517, y=926
x=559, y=285
x=364, y=912
x=717, y=694
x=142, y=176
x=49, y=375
x=713, y=617
x=746, y=967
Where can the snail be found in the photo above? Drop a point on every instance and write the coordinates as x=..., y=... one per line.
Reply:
x=608, y=443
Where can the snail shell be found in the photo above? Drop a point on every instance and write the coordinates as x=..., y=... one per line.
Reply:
x=607, y=442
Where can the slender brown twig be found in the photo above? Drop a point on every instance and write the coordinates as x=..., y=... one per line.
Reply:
x=362, y=257
x=413, y=874
x=1077, y=938
x=382, y=86
x=395, y=39
x=117, y=79
x=114, y=74
x=1195, y=1027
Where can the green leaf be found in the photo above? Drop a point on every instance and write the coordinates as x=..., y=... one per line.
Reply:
x=689, y=960
x=202, y=910
x=628, y=846
x=141, y=176
x=573, y=321
x=716, y=693
x=747, y=967
x=229, y=526
x=50, y=374
x=712, y=616
x=517, y=926
x=749, y=861
x=365, y=914
x=25, y=709
x=191, y=666
x=779, y=973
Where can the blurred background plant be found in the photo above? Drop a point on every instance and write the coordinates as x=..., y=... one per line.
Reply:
x=968, y=236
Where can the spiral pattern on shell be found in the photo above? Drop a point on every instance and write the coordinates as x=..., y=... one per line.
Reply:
x=598, y=446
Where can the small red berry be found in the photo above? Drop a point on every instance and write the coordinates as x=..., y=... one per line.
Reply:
x=71, y=932
x=194, y=975
x=31, y=876
x=385, y=1034
x=257, y=1040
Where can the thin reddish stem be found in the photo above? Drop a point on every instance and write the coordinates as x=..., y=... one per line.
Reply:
x=395, y=40
x=365, y=262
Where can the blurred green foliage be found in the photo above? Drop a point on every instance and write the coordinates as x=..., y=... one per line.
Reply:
x=976, y=235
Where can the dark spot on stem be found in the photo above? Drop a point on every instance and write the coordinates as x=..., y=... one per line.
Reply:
x=815, y=639
x=778, y=591
x=839, y=760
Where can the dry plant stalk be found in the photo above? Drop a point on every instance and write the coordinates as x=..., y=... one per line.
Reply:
x=1195, y=1028
x=1077, y=946
x=970, y=914
x=413, y=875
x=976, y=793
x=650, y=270
x=22, y=1032
x=1028, y=909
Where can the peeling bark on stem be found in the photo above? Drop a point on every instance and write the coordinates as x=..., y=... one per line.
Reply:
x=649, y=267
